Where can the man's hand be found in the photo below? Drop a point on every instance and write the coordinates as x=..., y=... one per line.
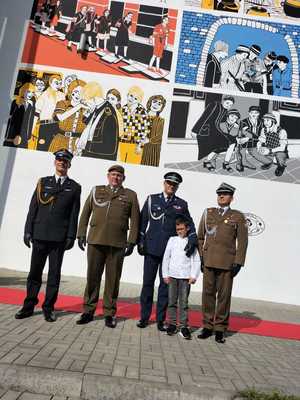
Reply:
x=27, y=239
x=235, y=270
x=69, y=243
x=128, y=249
x=167, y=280
x=141, y=249
x=192, y=281
x=190, y=248
x=202, y=264
x=82, y=243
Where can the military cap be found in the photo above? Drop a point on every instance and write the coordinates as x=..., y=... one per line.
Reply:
x=255, y=49
x=242, y=49
x=173, y=177
x=270, y=116
x=63, y=153
x=254, y=108
x=271, y=55
x=117, y=168
x=225, y=188
x=235, y=112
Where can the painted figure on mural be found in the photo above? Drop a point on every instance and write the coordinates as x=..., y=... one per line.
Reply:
x=75, y=28
x=102, y=28
x=207, y=128
x=159, y=40
x=282, y=77
x=44, y=125
x=70, y=117
x=253, y=77
x=151, y=151
x=270, y=65
x=90, y=28
x=55, y=16
x=212, y=75
x=67, y=81
x=273, y=143
x=100, y=137
x=19, y=127
x=226, y=141
x=136, y=127
x=40, y=87
x=122, y=37
x=113, y=96
x=233, y=68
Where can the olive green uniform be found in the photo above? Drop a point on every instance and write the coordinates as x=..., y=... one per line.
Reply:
x=108, y=212
x=223, y=241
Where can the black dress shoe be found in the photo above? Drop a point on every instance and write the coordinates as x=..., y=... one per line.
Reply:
x=205, y=333
x=220, y=337
x=110, y=322
x=21, y=314
x=161, y=326
x=49, y=316
x=142, y=323
x=85, y=318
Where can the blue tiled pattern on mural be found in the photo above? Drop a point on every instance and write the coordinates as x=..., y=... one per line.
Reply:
x=185, y=73
x=192, y=41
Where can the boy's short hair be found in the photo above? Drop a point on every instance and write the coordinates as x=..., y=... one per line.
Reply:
x=182, y=220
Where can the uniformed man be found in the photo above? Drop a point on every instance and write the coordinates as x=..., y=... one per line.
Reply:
x=158, y=224
x=51, y=227
x=108, y=208
x=223, y=240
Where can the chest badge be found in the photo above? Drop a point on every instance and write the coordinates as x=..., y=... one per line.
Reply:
x=226, y=221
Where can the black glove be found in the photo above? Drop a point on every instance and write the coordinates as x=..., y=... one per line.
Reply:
x=27, y=239
x=202, y=264
x=190, y=248
x=235, y=270
x=141, y=249
x=128, y=249
x=69, y=243
x=82, y=242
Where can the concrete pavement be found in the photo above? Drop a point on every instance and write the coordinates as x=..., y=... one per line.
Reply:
x=95, y=362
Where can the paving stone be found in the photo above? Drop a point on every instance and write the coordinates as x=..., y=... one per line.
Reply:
x=11, y=395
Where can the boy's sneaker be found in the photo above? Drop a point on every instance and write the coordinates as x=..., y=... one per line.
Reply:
x=185, y=333
x=171, y=330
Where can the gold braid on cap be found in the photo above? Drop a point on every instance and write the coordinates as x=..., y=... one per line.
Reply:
x=39, y=194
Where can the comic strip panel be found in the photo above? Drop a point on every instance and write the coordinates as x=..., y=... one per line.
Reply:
x=113, y=37
x=234, y=54
x=289, y=9
x=232, y=6
x=88, y=115
x=233, y=135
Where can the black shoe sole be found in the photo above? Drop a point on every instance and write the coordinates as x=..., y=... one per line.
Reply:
x=23, y=316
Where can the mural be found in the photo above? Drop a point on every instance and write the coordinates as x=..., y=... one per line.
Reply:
x=234, y=135
x=111, y=37
x=90, y=116
x=273, y=8
x=236, y=55
x=221, y=5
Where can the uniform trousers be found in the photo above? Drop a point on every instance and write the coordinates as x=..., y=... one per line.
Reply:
x=216, y=298
x=98, y=257
x=41, y=249
x=151, y=265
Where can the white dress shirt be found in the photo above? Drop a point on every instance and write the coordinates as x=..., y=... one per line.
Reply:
x=62, y=178
x=175, y=262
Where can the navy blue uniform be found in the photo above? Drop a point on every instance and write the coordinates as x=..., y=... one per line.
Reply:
x=50, y=225
x=158, y=224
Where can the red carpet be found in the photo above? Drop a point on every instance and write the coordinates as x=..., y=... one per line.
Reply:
x=260, y=327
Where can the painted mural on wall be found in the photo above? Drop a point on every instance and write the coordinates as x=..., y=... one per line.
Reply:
x=91, y=117
x=235, y=135
x=232, y=6
x=111, y=37
x=237, y=55
x=273, y=8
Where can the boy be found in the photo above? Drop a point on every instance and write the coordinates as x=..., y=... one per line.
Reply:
x=179, y=271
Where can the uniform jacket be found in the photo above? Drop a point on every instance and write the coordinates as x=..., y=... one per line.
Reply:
x=108, y=214
x=57, y=220
x=282, y=82
x=223, y=239
x=158, y=222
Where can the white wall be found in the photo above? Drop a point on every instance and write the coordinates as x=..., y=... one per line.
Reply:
x=272, y=267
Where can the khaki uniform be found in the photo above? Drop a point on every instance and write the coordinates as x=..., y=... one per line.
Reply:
x=108, y=214
x=223, y=241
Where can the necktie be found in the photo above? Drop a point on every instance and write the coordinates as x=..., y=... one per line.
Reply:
x=168, y=199
x=221, y=211
x=58, y=182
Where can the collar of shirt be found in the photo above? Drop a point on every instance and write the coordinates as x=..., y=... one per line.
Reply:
x=62, y=178
x=224, y=209
x=166, y=197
